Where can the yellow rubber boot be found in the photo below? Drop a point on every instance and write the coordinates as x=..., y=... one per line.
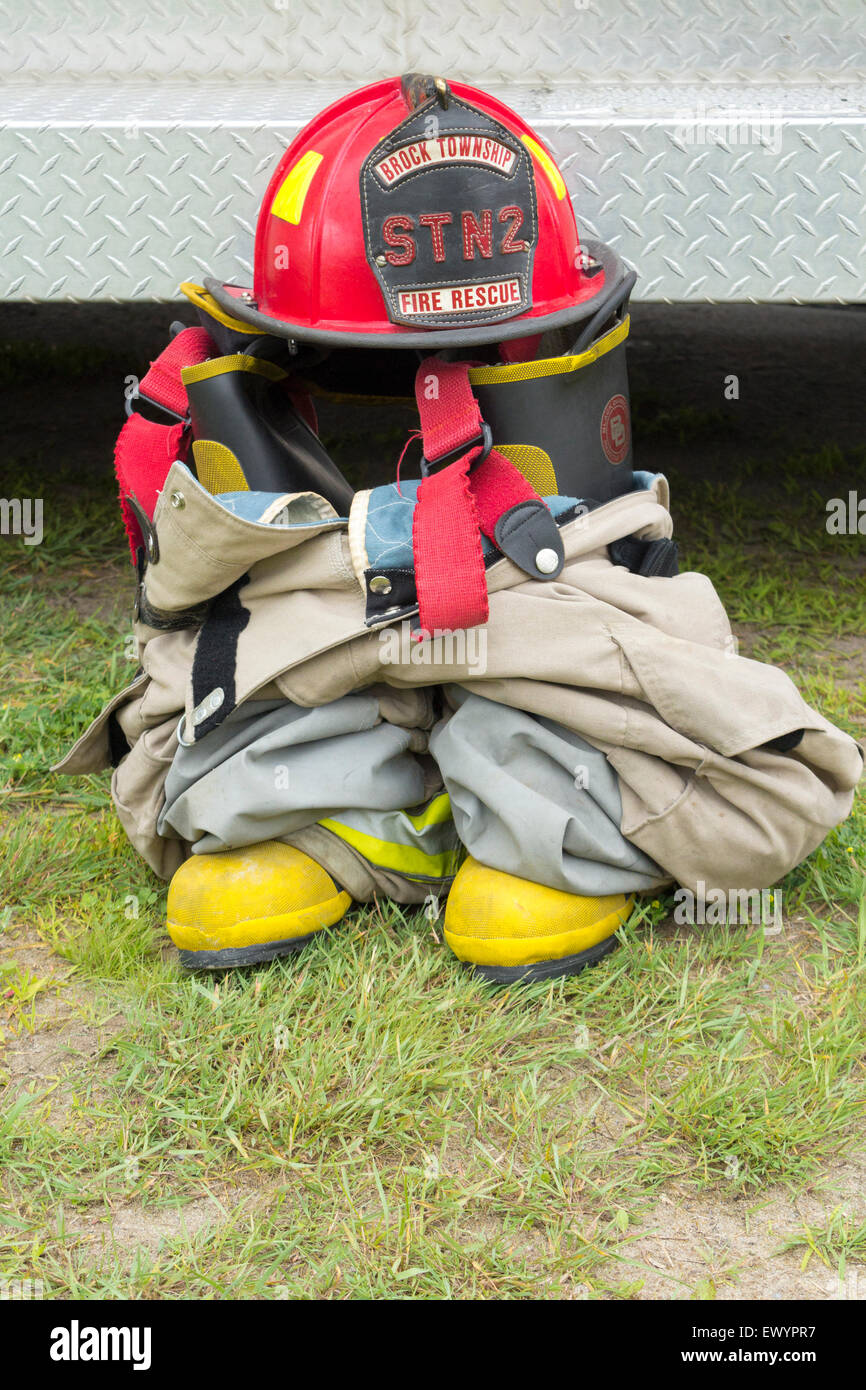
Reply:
x=510, y=929
x=249, y=905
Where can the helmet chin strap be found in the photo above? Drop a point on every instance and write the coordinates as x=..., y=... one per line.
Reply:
x=608, y=306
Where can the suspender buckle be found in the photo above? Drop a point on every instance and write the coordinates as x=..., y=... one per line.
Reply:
x=133, y=394
x=484, y=439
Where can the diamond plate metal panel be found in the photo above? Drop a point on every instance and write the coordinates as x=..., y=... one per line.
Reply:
x=347, y=41
x=749, y=207
x=720, y=149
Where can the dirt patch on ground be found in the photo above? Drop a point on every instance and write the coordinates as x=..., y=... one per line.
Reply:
x=46, y=1040
x=850, y=655
x=131, y=1227
x=846, y=655
x=729, y=1248
x=106, y=595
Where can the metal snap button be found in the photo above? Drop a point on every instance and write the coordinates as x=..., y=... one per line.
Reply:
x=380, y=584
x=546, y=561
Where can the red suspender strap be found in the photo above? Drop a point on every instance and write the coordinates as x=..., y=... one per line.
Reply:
x=454, y=505
x=143, y=454
x=449, y=565
x=162, y=382
x=450, y=414
x=145, y=450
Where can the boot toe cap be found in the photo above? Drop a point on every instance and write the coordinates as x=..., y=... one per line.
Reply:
x=246, y=903
x=494, y=919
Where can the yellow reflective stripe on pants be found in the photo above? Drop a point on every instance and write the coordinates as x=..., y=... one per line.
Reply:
x=437, y=812
x=419, y=844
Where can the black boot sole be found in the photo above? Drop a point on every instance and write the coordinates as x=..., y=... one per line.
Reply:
x=546, y=969
x=233, y=956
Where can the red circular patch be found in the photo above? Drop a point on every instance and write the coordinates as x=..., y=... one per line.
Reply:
x=615, y=429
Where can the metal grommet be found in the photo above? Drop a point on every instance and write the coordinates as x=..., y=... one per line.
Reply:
x=546, y=561
x=178, y=500
x=379, y=584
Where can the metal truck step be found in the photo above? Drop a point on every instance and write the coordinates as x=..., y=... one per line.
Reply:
x=724, y=156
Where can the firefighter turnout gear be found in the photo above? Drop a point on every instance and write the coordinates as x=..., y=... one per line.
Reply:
x=487, y=685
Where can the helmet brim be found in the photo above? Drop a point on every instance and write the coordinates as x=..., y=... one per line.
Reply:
x=615, y=271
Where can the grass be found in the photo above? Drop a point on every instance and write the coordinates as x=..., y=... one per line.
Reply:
x=369, y=1120
x=834, y=1243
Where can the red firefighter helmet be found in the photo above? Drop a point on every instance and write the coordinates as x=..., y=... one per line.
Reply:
x=418, y=214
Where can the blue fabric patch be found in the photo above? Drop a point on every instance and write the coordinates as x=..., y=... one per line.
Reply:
x=251, y=506
x=248, y=505
x=389, y=520
x=643, y=480
x=389, y=524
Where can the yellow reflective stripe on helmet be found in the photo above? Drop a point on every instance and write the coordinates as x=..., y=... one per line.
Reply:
x=547, y=165
x=551, y=366
x=289, y=198
x=199, y=296
x=402, y=859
